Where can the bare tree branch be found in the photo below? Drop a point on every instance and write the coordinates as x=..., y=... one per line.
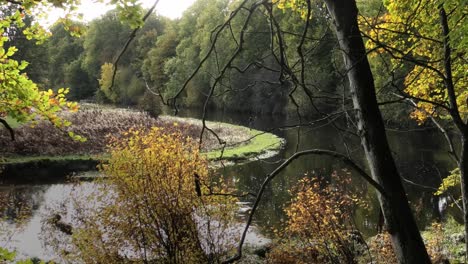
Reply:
x=173, y=100
x=127, y=44
x=280, y=168
x=8, y=127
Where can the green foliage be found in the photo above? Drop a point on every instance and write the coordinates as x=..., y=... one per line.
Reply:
x=65, y=59
x=21, y=99
x=103, y=42
x=104, y=39
x=6, y=255
x=445, y=241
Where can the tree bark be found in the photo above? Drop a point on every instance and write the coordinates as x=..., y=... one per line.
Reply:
x=457, y=119
x=463, y=165
x=407, y=241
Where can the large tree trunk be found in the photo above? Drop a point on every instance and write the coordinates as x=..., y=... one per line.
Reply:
x=463, y=165
x=457, y=119
x=407, y=241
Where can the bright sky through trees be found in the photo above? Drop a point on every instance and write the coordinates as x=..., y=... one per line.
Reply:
x=91, y=9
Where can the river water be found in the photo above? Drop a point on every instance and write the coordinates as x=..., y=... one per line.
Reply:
x=421, y=154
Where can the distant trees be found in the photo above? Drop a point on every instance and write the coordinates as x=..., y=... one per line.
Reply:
x=165, y=52
x=65, y=63
x=252, y=83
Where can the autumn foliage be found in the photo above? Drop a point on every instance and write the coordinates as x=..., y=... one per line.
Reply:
x=411, y=31
x=319, y=227
x=154, y=205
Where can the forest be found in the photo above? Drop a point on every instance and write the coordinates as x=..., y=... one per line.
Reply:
x=335, y=130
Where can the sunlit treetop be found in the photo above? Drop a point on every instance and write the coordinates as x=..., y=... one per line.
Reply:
x=411, y=31
x=300, y=6
x=20, y=97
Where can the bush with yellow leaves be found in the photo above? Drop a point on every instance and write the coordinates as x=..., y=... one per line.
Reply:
x=319, y=226
x=154, y=205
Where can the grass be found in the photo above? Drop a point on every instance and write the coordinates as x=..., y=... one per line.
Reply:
x=260, y=143
x=242, y=143
x=27, y=159
x=12, y=122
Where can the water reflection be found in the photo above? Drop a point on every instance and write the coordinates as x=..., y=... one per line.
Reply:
x=421, y=156
x=29, y=227
x=22, y=230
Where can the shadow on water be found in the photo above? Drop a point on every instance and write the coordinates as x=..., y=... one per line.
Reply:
x=421, y=156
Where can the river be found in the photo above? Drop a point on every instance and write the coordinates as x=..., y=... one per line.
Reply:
x=421, y=154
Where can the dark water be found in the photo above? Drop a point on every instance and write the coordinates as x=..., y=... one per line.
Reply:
x=421, y=155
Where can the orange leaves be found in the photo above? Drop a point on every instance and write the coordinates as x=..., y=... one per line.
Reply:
x=319, y=222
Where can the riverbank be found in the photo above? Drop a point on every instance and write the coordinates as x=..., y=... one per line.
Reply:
x=45, y=150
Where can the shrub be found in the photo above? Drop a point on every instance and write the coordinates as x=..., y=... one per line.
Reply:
x=380, y=247
x=319, y=226
x=150, y=103
x=154, y=206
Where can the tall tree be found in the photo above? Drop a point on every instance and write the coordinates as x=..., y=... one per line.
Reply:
x=365, y=113
x=434, y=49
x=407, y=241
x=65, y=56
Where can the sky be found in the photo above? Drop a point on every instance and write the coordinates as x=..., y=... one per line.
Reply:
x=91, y=10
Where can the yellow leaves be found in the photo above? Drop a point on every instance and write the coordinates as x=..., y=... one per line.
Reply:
x=153, y=175
x=453, y=180
x=105, y=82
x=299, y=6
x=319, y=219
x=412, y=30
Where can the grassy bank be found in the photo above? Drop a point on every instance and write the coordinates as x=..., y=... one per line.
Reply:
x=259, y=143
x=43, y=144
x=242, y=143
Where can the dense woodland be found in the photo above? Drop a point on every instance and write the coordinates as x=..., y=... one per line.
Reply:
x=358, y=66
x=165, y=52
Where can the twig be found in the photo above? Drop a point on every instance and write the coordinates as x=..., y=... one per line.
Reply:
x=280, y=168
x=127, y=44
